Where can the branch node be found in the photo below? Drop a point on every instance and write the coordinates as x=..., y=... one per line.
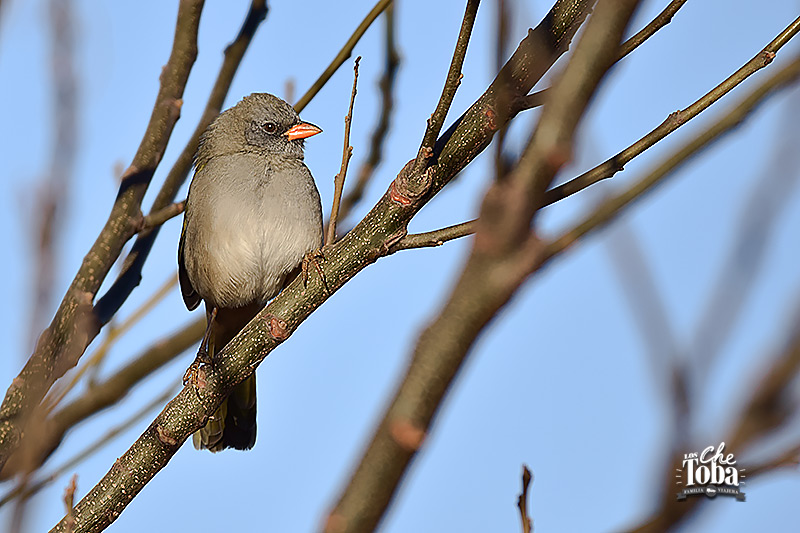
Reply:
x=406, y=434
x=278, y=329
x=393, y=239
x=336, y=523
x=165, y=437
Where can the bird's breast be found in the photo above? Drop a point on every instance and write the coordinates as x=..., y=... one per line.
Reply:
x=251, y=223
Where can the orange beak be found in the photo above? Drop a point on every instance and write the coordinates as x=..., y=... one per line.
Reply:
x=302, y=130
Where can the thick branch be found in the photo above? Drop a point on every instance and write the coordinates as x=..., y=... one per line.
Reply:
x=74, y=324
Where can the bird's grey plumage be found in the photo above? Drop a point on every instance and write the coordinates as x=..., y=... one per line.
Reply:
x=253, y=212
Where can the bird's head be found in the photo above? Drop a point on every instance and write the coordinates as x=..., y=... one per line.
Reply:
x=260, y=122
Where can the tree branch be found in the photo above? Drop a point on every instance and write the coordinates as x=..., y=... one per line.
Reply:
x=607, y=210
x=451, y=84
x=347, y=153
x=675, y=120
x=367, y=168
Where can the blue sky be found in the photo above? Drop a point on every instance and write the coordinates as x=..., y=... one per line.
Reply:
x=561, y=381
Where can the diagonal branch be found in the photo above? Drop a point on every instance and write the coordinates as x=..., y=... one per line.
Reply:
x=451, y=84
x=62, y=343
x=609, y=209
x=675, y=120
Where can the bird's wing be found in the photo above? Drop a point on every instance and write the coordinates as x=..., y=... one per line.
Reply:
x=190, y=296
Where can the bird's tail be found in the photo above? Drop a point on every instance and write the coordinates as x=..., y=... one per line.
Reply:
x=233, y=425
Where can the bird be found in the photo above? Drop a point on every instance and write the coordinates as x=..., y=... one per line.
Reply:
x=253, y=212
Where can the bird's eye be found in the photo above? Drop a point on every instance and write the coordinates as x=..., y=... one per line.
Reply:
x=270, y=127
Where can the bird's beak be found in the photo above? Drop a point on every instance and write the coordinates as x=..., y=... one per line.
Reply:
x=302, y=130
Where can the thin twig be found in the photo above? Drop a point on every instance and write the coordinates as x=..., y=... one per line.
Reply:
x=435, y=238
x=453, y=80
x=522, y=501
x=69, y=503
x=343, y=54
x=160, y=216
x=661, y=20
x=367, y=169
x=347, y=153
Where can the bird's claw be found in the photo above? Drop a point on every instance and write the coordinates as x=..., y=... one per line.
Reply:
x=314, y=258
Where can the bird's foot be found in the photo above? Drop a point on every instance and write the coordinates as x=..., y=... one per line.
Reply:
x=314, y=258
x=196, y=373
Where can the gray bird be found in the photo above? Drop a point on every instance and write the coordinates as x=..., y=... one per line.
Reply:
x=252, y=214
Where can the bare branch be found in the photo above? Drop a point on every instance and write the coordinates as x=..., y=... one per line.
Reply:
x=522, y=501
x=347, y=153
x=435, y=238
x=491, y=275
x=451, y=84
x=157, y=218
x=661, y=20
x=607, y=210
x=367, y=168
